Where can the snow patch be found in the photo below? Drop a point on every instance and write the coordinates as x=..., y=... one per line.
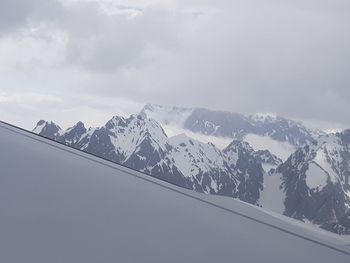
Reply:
x=267, y=166
x=126, y=139
x=316, y=177
x=272, y=197
x=324, y=160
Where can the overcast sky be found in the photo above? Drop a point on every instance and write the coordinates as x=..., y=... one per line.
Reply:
x=70, y=60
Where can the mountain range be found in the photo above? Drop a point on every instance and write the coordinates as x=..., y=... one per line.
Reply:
x=232, y=125
x=311, y=185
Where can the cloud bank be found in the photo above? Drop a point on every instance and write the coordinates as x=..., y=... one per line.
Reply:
x=290, y=58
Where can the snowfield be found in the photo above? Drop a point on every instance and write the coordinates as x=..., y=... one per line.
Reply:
x=272, y=197
x=62, y=205
x=316, y=177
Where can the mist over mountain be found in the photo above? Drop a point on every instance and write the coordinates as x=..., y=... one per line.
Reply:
x=232, y=125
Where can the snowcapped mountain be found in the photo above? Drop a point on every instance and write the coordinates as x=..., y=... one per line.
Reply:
x=289, y=134
x=50, y=129
x=312, y=185
x=315, y=182
x=241, y=160
x=141, y=143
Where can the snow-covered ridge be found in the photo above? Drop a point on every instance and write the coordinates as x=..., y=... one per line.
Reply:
x=219, y=125
x=193, y=157
x=127, y=134
x=316, y=181
x=239, y=171
x=48, y=127
x=141, y=143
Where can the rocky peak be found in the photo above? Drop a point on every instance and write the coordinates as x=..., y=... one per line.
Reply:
x=316, y=181
x=72, y=135
x=116, y=121
x=47, y=129
x=238, y=146
x=266, y=157
x=79, y=126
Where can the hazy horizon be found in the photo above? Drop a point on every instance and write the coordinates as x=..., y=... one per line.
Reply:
x=68, y=118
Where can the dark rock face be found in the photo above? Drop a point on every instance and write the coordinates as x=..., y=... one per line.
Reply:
x=100, y=144
x=250, y=186
x=218, y=123
x=341, y=227
x=73, y=135
x=234, y=125
x=345, y=136
x=283, y=130
x=48, y=129
x=266, y=157
x=248, y=169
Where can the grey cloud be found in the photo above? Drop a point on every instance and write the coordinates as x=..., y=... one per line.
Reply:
x=107, y=43
x=291, y=58
x=15, y=14
x=12, y=15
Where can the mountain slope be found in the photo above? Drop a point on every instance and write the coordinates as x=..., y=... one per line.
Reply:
x=49, y=129
x=315, y=180
x=312, y=185
x=140, y=143
x=290, y=134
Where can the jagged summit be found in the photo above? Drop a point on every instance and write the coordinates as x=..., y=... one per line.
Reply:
x=49, y=128
x=311, y=185
x=79, y=125
x=238, y=144
x=232, y=125
x=267, y=158
x=72, y=135
x=141, y=143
